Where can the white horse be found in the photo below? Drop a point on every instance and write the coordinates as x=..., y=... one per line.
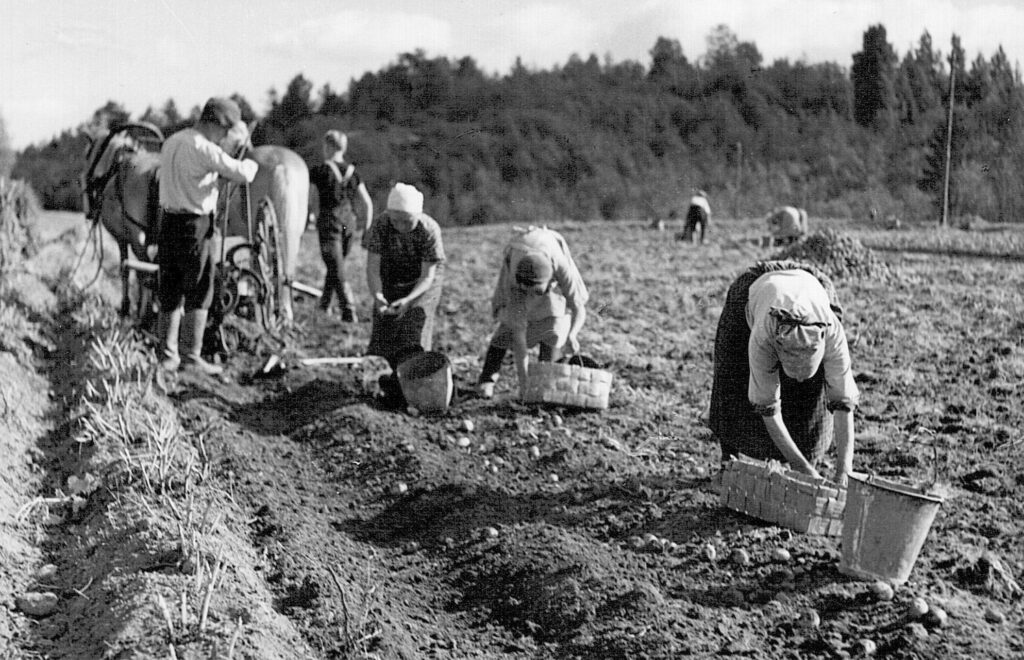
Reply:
x=120, y=185
x=125, y=177
x=283, y=179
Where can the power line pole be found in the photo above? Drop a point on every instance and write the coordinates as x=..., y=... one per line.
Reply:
x=739, y=179
x=949, y=142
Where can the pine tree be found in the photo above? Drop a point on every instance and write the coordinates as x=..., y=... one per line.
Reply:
x=874, y=98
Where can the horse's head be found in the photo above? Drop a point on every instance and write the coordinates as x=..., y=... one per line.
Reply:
x=104, y=153
x=128, y=202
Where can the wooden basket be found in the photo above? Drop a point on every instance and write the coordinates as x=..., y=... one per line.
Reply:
x=568, y=385
x=771, y=492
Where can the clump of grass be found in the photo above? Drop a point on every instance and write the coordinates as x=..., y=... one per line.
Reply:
x=123, y=417
x=359, y=631
x=193, y=613
x=144, y=454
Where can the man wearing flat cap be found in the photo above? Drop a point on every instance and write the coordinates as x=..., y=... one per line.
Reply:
x=540, y=298
x=191, y=162
x=783, y=384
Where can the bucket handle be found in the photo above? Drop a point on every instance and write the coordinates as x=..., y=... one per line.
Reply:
x=925, y=431
x=578, y=356
x=935, y=455
x=934, y=444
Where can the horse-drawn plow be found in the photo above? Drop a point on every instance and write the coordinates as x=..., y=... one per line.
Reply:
x=258, y=227
x=249, y=281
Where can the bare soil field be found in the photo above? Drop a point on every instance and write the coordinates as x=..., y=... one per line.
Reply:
x=294, y=517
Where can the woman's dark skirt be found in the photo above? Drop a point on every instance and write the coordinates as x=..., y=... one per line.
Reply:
x=396, y=338
x=733, y=421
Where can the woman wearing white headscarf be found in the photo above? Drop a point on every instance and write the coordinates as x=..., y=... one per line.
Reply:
x=404, y=259
x=540, y=298
x=782, y=370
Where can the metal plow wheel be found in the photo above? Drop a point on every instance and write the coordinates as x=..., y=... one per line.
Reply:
x=267, y=248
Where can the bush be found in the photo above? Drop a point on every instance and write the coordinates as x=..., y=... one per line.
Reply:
x=19, y=209
x=975, y=192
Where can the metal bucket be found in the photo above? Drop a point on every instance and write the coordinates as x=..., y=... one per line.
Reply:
x=884, y=528
x=426, y=381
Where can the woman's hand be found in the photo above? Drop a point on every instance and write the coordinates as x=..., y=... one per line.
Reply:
x=844, y=444
x=574, y=342
x=380, y=303
x=520, y=356
x=809, y=470
x=579, y=316
x=784, y=442
x=399, y=307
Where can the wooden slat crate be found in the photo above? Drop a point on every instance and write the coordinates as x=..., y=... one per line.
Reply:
x=568, y=385
x=776, y=494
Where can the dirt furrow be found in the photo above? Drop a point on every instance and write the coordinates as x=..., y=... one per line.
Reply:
x=350, y=591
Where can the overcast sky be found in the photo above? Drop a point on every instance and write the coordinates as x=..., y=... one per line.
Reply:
x=62, y=59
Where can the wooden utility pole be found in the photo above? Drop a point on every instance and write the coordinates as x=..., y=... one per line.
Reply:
x=949, y=143
x=739, y=179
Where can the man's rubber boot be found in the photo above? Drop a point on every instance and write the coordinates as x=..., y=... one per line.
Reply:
x=192, y=342
x=168, y=328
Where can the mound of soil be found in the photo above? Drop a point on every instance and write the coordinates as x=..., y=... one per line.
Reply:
x=524, y=590
x=840, y=255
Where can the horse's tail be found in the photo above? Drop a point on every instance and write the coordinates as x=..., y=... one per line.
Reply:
x=289, y=184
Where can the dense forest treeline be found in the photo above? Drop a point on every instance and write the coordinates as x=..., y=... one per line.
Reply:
x=604, y=139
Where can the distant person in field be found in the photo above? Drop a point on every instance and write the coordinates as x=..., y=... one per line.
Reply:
x=540, y=298
x=405, y=255
x=787, y=224
x=782, y=373
x=698, y=213
x=191, y=162
x=339, y=188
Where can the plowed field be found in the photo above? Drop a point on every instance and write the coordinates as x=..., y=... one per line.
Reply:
x=295, y=517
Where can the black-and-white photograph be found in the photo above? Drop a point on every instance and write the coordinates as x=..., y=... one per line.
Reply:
x=538, y=330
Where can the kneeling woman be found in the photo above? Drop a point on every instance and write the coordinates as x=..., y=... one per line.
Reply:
x=782, y=370
x=404, y=257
